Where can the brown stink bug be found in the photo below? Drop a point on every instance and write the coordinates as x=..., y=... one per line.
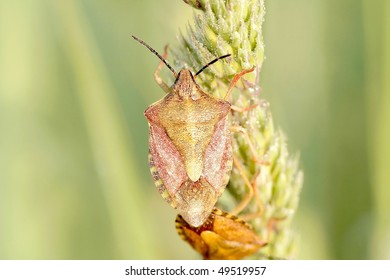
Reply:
x=221, y=237
x=190, y=152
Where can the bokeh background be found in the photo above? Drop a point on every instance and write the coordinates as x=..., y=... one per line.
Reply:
x=74, y=177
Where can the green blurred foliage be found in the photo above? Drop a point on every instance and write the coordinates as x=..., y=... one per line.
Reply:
x=74, y=178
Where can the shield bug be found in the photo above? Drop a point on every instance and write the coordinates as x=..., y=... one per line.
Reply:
x=190, y=152
x=222, y=236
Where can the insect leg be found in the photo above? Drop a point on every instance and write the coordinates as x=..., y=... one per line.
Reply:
x=252, y=191
x=242, y=130
x=157, y=77
x=272, y=226
x=235, y=79
x=241, y=110
x=246, y=135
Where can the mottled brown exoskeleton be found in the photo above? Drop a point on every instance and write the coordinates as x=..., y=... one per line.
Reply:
x=190, y=152
x=222, y=237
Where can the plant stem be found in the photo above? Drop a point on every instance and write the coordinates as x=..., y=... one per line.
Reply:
x=235, y=27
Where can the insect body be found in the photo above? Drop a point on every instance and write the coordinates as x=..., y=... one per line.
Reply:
x=190, y=153
x=222, y=236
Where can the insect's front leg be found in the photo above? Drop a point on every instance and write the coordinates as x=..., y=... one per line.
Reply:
x=235, y=79
x=157, y=77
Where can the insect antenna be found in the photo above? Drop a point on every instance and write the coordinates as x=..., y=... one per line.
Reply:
x=156, y=53
x=211, y=62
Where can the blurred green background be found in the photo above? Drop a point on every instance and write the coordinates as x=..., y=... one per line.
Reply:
x=74, y=177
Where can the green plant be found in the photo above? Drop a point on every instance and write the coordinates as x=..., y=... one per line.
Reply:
x=235, y=27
